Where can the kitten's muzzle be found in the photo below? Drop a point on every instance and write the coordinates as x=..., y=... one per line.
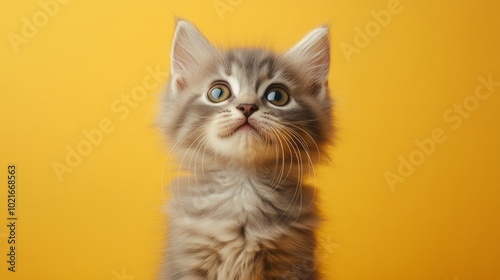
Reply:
x=247, y=109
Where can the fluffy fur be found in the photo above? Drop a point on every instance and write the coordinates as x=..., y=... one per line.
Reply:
x=243, y=210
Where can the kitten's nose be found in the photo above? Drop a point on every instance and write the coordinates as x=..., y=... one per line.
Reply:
x=247, y=109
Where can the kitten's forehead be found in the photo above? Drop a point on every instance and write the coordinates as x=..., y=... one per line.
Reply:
x=248, y=69
x=249, y=60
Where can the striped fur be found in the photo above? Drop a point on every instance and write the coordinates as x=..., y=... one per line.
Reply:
x=244, y=211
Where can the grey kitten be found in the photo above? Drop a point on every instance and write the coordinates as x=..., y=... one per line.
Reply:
x=247, y=125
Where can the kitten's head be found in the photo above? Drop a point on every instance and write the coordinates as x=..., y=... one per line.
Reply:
x=247, y=106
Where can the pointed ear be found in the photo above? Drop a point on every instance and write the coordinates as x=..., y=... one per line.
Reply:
x=313, y=53
x=188, y=49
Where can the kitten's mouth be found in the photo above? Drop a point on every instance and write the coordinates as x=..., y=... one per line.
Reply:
x=246, y=126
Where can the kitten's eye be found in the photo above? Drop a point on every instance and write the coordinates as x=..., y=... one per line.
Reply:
x=277, y=96
x=219, y=92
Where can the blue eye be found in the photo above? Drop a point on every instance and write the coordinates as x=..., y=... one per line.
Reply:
x=277, y=96
x=218, y=92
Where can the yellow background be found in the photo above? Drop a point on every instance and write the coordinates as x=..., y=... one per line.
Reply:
x=103, y=220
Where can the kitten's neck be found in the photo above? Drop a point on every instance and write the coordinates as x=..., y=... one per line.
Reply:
x=266, y=173
x=240, y=192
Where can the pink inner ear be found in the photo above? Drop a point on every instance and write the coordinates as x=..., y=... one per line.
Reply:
x=180, y=83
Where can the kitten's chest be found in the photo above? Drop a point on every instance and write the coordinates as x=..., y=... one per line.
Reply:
x=231, y=202
x=245, y=196
x=230, y=223
x=225, y=218
x=237, y=197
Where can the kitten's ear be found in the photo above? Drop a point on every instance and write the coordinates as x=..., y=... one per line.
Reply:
x=313, y=53
x=188, y=49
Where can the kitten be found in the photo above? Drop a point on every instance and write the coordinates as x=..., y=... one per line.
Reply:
x=247, y=125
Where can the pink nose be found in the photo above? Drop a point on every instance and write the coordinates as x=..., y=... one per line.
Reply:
x=247, y=109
